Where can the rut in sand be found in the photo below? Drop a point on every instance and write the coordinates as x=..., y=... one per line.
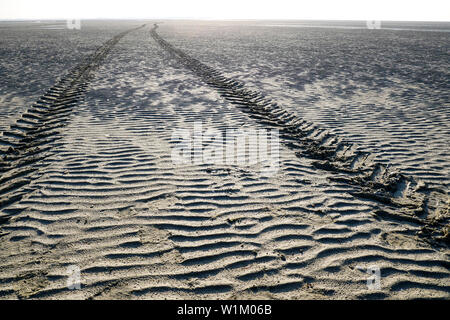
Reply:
x=406, y=199
x=26, y=142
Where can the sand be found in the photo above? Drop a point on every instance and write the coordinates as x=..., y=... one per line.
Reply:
x=87, y=178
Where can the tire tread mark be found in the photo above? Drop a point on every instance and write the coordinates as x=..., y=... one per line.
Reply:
x=25, y=143
x=373, y=181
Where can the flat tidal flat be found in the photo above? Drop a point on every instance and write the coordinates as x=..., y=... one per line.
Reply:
x=88, y=182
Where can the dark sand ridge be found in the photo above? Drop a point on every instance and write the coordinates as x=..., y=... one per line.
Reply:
x=108, y=199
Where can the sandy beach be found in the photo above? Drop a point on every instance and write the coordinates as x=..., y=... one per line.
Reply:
x=88, y=180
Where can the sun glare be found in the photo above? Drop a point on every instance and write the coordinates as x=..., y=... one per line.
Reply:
x=406, y=10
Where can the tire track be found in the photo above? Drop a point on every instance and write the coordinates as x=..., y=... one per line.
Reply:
x=403, y=197
x=27, y=141
x=139, y=227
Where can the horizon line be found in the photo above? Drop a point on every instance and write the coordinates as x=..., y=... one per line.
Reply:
x=214, y=19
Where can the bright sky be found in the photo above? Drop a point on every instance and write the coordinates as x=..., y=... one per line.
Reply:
x=402, y=10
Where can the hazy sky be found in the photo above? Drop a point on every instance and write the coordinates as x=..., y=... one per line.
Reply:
x=412, y=10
